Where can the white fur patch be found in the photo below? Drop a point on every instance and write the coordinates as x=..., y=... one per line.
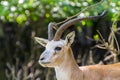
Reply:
x=61, y=74
x=83, y=68
x=52, y=44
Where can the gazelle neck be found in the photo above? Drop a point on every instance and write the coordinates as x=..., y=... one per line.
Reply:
x=68, y=70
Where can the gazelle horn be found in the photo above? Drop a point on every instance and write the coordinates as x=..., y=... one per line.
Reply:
x=64, y=26
x=50, y=30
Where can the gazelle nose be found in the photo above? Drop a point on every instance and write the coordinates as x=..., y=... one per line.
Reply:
x=42, y=58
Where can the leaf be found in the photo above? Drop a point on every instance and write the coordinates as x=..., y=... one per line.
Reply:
x=47, y=15
x=83, y=23
x=96, y=37
x=21, y=18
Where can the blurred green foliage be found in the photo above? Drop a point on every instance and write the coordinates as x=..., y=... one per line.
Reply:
x=21, y=11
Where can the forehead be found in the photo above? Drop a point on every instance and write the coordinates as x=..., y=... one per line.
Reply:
x=53, y=44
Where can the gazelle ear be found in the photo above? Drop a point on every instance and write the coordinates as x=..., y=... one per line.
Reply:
x=70, y=37
x=41, y=41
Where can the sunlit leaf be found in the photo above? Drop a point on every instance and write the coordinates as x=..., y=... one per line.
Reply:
x=30, y=2
x=47, y=15
x=65, y=8
x=21, y=18
x=89, y=0
x=83, y=23
x=96, y=37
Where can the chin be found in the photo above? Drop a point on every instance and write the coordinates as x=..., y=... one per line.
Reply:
x=45, y=64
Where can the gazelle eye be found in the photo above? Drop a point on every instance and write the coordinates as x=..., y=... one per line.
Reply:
x=58, y=48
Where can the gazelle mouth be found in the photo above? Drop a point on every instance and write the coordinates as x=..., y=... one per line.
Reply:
x=42, y=62
x=45, y=62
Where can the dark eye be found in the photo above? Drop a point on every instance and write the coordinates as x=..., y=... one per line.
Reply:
x=58, y=48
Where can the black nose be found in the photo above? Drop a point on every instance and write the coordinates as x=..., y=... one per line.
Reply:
x=42, y=58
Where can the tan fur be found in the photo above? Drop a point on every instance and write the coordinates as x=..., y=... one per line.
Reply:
x=69, y=70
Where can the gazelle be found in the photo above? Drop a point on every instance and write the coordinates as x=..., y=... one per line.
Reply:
x=58, y=55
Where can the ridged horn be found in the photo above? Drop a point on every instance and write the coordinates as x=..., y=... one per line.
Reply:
x=50, y=30
x=64, y=26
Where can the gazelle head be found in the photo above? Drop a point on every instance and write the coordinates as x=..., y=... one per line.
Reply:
x=54, y=50
x=55, y=47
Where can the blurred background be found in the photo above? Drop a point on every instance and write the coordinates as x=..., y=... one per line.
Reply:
x=21, y=20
